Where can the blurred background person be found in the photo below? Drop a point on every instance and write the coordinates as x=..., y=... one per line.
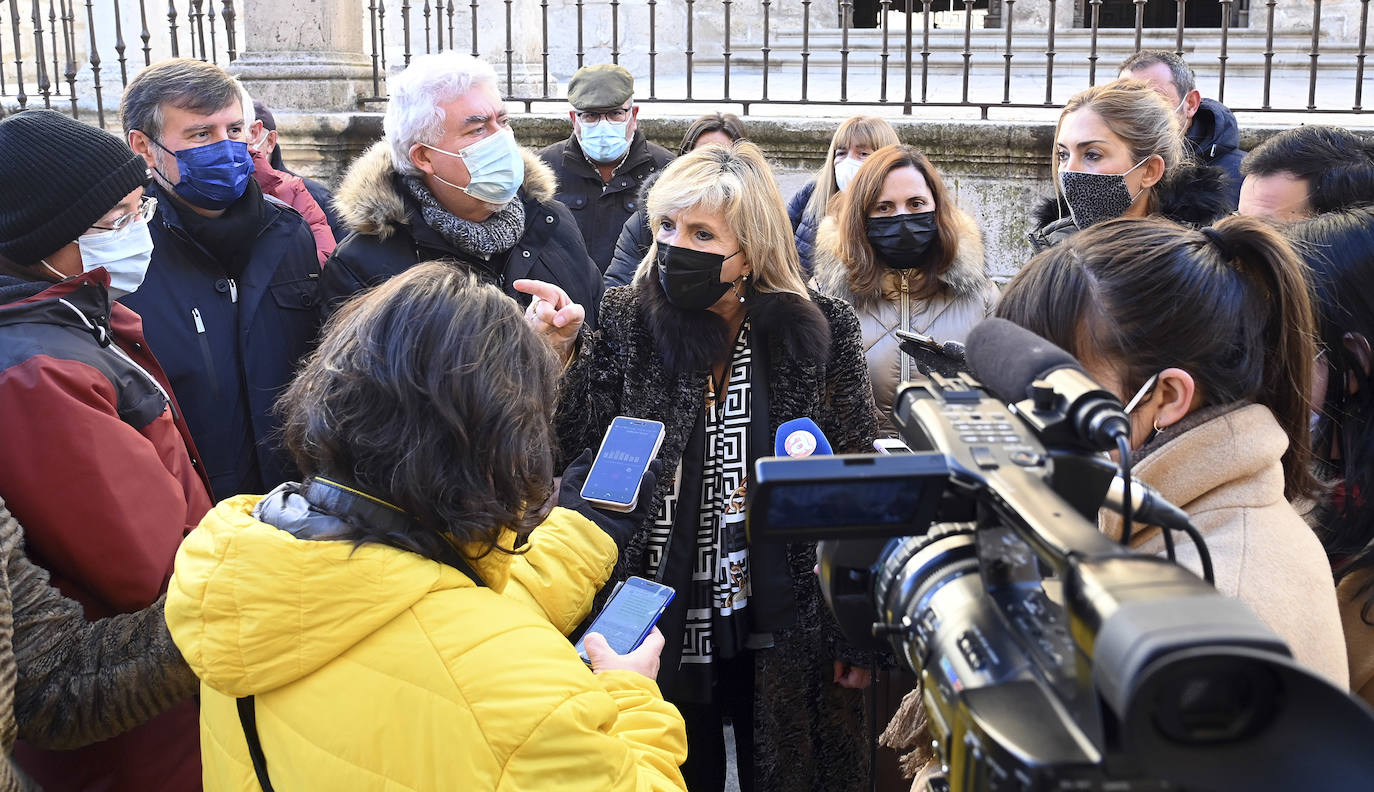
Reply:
x=322, y=194
x=392, y=618
x=852, y=142
x=1307, y=170
x=1338, y=247
x=719, y=129
x=1118, y=152
x=719, y=338
x=449, y=181
x=1207, y=338
x=99, y=464
x=602, y=165
x=899, y=250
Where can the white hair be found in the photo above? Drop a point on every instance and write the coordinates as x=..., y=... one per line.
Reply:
x=414, y=113
x=249, y=114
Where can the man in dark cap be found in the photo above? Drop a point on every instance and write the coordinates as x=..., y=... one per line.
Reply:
x=97, y=463
x=601, y=166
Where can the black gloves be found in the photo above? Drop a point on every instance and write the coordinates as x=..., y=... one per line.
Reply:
x=617, y=525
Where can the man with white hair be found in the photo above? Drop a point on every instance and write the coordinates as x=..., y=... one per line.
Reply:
x=449, y=182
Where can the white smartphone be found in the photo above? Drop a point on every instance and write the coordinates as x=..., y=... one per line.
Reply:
x=628, y=447
x=630, y=614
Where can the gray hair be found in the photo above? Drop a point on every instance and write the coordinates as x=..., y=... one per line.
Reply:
x=1180, y=74
x=414, y=113
x=184, y=83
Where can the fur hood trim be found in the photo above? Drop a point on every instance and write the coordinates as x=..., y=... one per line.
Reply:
x=690, y=341
x=370, y=203
x=1196, y=195
x=966, y=277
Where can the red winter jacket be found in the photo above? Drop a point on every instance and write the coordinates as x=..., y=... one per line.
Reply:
x=290, y=189
x=100, y=469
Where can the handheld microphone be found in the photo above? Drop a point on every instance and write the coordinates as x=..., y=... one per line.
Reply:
x=1016, y=364
x=800, y=437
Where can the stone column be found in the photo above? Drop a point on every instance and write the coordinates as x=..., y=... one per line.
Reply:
x=305, y=55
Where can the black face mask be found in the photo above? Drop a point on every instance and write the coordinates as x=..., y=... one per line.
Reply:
x=900, y=241
x=691, y=278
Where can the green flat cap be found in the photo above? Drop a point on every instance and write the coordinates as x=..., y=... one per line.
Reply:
x=600, y=87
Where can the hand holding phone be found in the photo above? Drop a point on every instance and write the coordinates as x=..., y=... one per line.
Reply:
x=643, y=660
x=629, y=616
x=627, y=449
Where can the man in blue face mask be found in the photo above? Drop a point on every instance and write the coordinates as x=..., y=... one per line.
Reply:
x=229, y=301
x=602, y=166
x=449, y=182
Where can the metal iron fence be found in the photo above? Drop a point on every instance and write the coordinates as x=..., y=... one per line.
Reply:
x=914, y=58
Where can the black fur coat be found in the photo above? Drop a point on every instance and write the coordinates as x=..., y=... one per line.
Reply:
x=650, y=360
x=1194, y=195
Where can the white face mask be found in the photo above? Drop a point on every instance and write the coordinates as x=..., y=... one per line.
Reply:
x=124, y=254
x=845, y=170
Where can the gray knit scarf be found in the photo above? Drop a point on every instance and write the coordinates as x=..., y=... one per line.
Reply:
x=496, y=234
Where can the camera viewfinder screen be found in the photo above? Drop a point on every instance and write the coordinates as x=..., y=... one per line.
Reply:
x=870, y=503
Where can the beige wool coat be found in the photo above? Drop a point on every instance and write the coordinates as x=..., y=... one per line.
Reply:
x=1222, y=466
x=966, y=298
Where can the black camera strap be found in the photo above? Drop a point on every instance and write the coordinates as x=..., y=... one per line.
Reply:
x=342, y=500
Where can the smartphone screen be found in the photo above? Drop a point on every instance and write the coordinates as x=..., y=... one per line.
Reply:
x=630, y=615
x=629, y=446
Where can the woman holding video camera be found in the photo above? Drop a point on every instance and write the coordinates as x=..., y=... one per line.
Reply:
x=718, y=337
x=898, y=250
x=392, y=621
x=1207, y=337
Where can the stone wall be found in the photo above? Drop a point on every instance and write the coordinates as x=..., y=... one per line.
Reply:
x=996, y=170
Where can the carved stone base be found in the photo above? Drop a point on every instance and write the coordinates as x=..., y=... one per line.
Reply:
x=308, y=81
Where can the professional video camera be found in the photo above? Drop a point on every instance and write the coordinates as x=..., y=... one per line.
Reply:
x=1050, y=656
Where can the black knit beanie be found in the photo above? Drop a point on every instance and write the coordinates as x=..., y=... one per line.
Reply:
x=57, y=177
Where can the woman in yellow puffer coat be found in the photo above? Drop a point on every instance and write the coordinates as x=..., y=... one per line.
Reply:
x=392, y=622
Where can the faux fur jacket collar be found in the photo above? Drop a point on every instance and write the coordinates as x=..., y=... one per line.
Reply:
x=372, y=201
x=965, y=279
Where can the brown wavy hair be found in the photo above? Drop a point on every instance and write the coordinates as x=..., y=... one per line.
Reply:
x=851, y=209
x=431, y=393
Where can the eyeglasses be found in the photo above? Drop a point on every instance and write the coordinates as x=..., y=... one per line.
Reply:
x=146, y=206
x=616, y=116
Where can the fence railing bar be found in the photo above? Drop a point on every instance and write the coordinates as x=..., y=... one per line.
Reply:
x=884, y=6
x=544, y=41
x=381, y=30
x=806, y=47
x=1315, y=53
x=968, y=43
x=615, y=30
x=1092, y=50
x=1049, y=58
x=68, y=18
x=1139, y=22
x=143, y=32
x=425, y=12
x=214, y=37
x=1359, y=58
x=846, y=19
x=925, y=50
x=199, y=19
x=767, y=50
x=1223, y=57
x=405, y=32
x=376, y=61
x=95, y=64
x=726, y=50
x=907, y=49
x=1178, y=41
x=172, y=27
x=1006, y=56
x=653, y=49
x=1268, y=52
x=20, y=96
x=580, y=53
x=52, y=41
x=510, y=51
x=119, y=45
x=689, y=52
x=44, y=82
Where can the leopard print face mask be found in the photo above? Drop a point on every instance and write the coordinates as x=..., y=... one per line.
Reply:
x=1094, y=197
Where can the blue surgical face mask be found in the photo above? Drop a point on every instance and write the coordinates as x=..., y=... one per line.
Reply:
x=604, y=141
x=496, y=168
x=213, y=176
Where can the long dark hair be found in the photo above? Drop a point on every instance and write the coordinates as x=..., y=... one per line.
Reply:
x=1141, y=295
x=727, y=124
x=431, y=393
x=1339, y=250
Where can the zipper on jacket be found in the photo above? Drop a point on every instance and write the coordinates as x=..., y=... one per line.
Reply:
x=114, y=347
x=208, y=359
x=905, y=320
x=233, y=291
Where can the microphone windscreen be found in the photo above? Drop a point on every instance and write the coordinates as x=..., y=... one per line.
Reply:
x=1007, y=358
x=800, y=437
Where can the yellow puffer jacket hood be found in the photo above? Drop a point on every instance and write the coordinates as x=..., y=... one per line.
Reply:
x=375, y=668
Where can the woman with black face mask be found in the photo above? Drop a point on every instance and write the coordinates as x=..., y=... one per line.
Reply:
x=1119, y=152
x=718, y=337
x=897, y=248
